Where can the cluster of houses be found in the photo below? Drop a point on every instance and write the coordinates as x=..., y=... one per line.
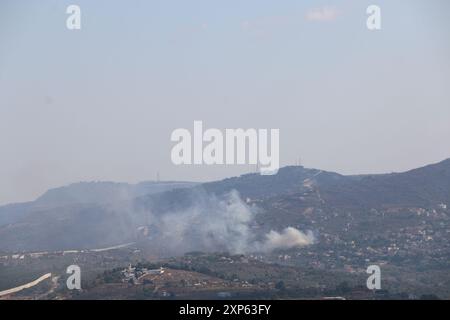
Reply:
x=133, y=275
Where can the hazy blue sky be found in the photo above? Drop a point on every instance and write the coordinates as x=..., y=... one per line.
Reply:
x=101, y=103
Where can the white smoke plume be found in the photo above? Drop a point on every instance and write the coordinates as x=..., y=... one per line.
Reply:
x=289, y=238
x=219, y=224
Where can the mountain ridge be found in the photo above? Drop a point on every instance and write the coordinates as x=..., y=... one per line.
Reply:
x=288, y=198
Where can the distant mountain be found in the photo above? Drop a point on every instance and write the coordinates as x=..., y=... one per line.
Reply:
x=105, y=192
x=403, y=216
x=79, y=196
x=288, y=180
x=425, y=186
x=87, y=215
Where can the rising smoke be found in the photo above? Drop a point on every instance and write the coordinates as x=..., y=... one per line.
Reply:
x=288, y=238
x=219, y=223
